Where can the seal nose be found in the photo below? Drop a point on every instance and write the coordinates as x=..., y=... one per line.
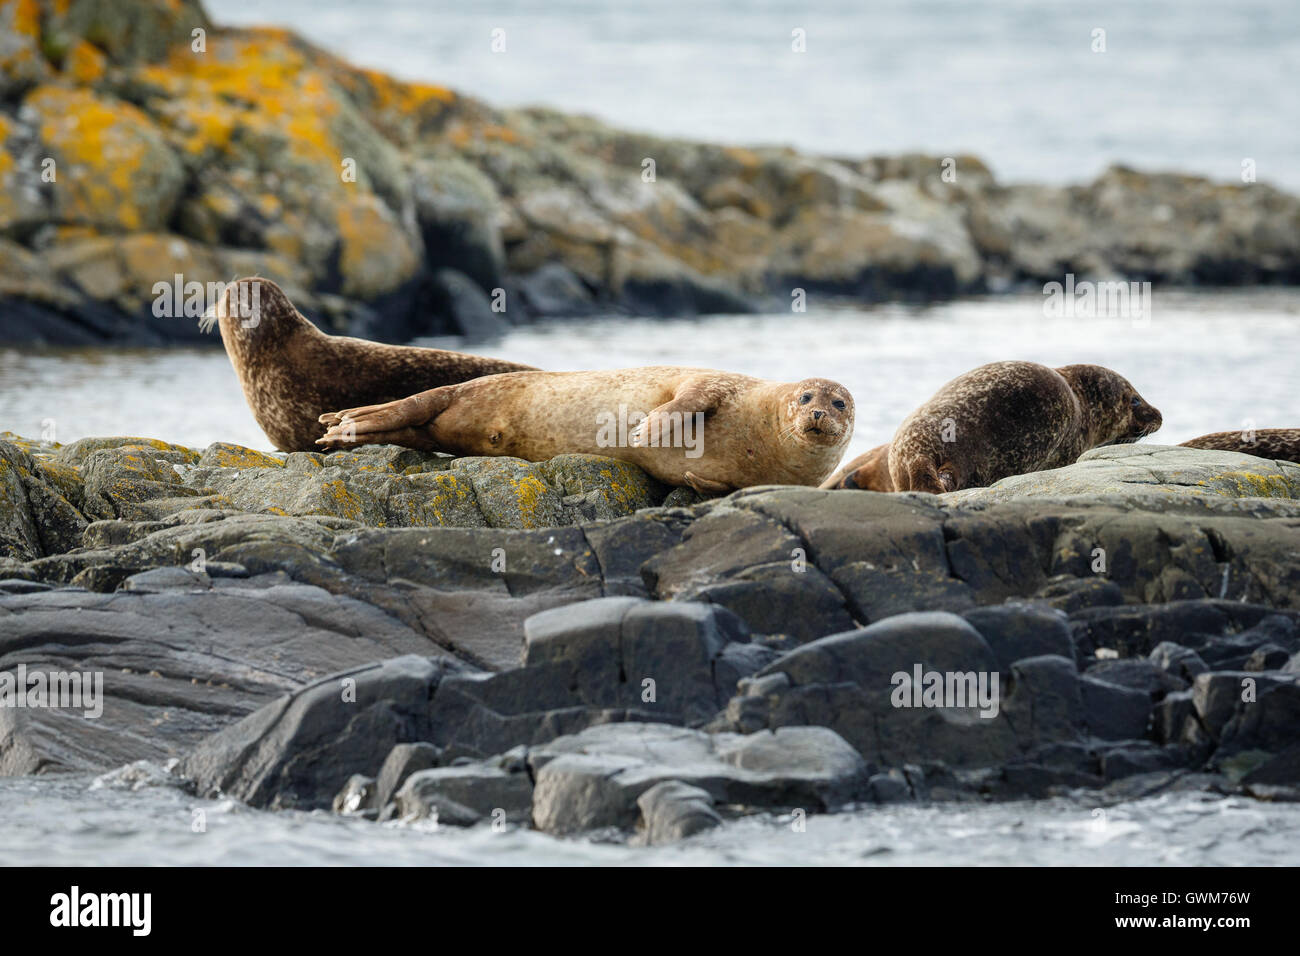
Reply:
x=817, y=416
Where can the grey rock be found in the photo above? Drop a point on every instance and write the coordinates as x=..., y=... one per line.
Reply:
x=847, y=682
x=177, y=664
x=357, y=796
x=1015, y=631
x=672, y=811
x=1115, y=712
x=594, y=779
x=1138, y=673
x=1180, y=662
x=402, y=761
x=300, y=750
x=487, y=792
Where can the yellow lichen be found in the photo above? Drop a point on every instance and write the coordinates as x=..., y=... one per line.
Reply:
x=84, y=63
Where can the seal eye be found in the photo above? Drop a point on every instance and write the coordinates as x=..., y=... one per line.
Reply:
x=1137, y=402
x=805, y=398
x=838, y=403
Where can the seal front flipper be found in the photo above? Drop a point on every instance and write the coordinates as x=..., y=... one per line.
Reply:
x=707, y=486
x=698, y=396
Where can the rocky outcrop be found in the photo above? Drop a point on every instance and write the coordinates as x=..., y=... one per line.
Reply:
x=1132, y=621
x=1151, y=469
x=140, y=142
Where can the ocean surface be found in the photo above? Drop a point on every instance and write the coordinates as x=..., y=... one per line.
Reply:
x=1210, y=361
x=75, y=821
x=1187, y=85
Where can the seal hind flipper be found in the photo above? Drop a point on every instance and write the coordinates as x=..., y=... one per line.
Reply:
x=380, y=424
x=707, y=486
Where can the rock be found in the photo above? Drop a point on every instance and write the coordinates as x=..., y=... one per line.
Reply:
x=1267, y=657
x=633, y=653
x=190, y=170
x=457, y=210
x=357, y=796
x=119, y=174
x=1281, y=768
x=465, y=306
x=1266, y=722
x=1142, y=468
x=594, y=779
x=553, y=290
x=1017, y=631
x=298, y=751
x=1115, y=712
x=464, y=795
x=851, y=684
x=1138, y=674
x=1131, y=759
x=1180, y=662
x=222, y=653
x=672, y=811
x=402, y=761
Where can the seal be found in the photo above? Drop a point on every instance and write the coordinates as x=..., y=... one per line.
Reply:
x=868, y=472
x=1009, y=418
x=709, y=430
x=1276, y=444
x=292, y=373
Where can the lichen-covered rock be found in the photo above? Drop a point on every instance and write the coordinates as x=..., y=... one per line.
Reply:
x=115, y=172
x=250, y=151
x=1146, y=469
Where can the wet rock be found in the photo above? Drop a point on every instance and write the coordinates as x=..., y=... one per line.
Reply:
x=672, y=811
x=465, y=795
x=222, y=653
x=402, y=761
x=299, y=750
x=594, y=779
x=357, y=796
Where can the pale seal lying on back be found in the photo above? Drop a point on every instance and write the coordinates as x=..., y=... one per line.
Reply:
x=1010, y=418
x=292, y=373
x=713, y=431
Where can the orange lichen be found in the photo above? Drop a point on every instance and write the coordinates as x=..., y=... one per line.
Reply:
x=84, y=63
x=105, y=150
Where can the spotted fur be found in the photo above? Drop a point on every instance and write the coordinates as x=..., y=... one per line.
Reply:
x=1276, y=444
x=292, y=373
x=755, y=432
x=1009, y=418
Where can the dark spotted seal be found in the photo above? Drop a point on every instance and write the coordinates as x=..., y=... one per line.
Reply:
x=292, y=372
x=1277, y=444
x=1009, y=418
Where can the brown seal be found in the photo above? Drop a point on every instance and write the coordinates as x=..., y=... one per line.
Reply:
x=1009, y=418
x=1276, y=444
x=868, y=472
x=713, y=431
x=292, y=372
